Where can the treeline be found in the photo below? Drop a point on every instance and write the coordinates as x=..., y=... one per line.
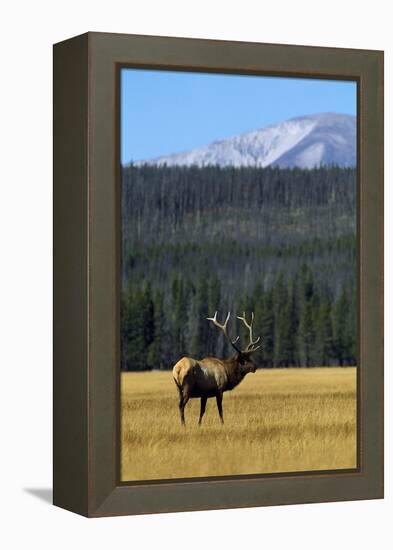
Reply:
x=238, y=222
x=196, y=240
x=169, y=193
x=299, y=322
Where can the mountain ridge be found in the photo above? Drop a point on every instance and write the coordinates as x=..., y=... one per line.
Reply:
x=305, y=141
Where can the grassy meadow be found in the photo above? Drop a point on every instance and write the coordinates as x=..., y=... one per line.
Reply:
x=276, y=420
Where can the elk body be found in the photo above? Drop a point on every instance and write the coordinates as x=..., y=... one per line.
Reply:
x=211, y=377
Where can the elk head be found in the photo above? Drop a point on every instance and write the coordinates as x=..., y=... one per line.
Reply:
x=243, y=356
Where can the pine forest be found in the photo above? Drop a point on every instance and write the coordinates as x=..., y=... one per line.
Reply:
x=277, y=242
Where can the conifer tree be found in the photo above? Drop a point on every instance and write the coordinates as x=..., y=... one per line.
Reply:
x=179, y=317
x=344, y=333
x=352, y=326
x=280, y=321
x=324, y=349
x=267, y=327
x=306, y=333
x=215, y=342
x=202, y=334
x=134, y=322
x=158, y=352
x=147, y=314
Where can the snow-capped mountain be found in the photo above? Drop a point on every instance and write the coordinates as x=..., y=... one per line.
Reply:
x=306, y=142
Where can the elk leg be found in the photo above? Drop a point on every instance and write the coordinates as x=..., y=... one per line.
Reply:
x=183, y=402
x=219, y=407
x=203, y=408
x=181, y=409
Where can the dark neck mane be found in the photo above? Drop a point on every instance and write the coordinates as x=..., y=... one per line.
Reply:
x=233, y=371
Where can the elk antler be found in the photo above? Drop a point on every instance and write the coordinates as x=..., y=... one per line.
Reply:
x=224, y=329
x=251, y=346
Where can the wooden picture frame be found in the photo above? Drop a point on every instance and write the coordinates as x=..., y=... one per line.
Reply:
x=86, y=264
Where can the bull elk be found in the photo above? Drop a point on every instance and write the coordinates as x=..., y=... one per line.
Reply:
x=211, y=377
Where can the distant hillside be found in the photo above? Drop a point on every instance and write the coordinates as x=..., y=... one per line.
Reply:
x=323, y=139
x=280, y=242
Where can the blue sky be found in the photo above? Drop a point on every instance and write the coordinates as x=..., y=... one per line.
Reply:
x=165, y=112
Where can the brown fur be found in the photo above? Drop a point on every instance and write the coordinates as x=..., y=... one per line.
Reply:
x=209, y=377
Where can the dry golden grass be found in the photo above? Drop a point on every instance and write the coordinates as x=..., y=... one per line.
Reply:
x=278, y=420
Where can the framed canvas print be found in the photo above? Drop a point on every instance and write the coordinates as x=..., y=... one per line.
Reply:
x=218, y=292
